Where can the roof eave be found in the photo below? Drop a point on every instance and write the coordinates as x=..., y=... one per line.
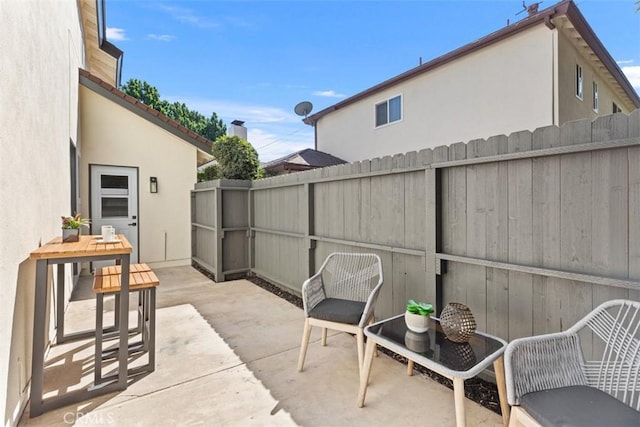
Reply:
x=586, y=32
x=110, y=92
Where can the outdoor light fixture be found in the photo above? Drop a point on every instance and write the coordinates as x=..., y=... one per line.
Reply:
x=153, y=184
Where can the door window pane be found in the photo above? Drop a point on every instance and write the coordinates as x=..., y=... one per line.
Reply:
x=115, y=207
x=114, y=181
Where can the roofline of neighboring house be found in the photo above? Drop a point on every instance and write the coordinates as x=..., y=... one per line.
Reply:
x=290, y=167
x=135, y=106
x=566, y=7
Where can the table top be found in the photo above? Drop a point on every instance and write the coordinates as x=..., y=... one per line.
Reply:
x=86, y=246
x=434, y=351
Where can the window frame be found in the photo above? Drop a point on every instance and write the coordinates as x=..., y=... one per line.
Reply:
x=386, y=102
x=579, y=87
x=595, y=101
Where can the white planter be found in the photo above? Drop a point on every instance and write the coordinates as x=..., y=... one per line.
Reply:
x=416, y=322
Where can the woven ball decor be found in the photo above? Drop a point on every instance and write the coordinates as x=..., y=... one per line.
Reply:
x=457, y=322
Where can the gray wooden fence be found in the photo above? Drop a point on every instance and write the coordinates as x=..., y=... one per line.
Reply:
x=531, y=230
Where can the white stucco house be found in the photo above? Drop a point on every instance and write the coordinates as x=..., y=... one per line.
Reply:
x=546, y=69
x=71, y=141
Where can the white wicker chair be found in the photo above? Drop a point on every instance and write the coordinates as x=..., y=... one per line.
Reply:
x=342, y=296
x=588, y=375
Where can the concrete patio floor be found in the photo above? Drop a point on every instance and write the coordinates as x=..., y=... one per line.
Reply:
x=226, y=355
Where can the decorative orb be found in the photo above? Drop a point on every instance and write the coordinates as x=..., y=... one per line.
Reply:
x=457, y=322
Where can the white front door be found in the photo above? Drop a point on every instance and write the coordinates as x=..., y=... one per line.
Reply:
x=114, y=201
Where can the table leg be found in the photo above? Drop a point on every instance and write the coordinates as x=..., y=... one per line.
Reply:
x=498, y=367
x=366, y=370
x=60, y=305
x=458, y=397
x=410, y=364
x=39, y=324
x=123, y=351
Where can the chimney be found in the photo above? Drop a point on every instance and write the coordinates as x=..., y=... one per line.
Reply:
x=237, y=128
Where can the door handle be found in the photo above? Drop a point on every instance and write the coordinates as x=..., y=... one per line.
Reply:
x=133, y=223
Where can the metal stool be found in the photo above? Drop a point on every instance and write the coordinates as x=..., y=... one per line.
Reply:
x=144, y=282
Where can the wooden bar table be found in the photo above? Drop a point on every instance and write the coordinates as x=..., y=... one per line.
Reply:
x=88, y=248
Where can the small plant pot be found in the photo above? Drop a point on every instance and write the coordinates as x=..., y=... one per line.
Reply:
x=70, y=234
x=416, y=322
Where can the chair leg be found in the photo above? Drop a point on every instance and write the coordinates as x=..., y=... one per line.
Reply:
x=306, y=333
x=360, y=342
x=519, y=417
x=324, y=337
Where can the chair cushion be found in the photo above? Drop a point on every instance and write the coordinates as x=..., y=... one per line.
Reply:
x=579, y=406
x=338, y=310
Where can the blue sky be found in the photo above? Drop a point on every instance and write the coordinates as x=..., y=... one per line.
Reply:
x=255, y=60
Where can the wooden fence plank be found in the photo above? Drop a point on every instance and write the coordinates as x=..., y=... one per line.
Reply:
x=455, y=225
x=475, y=276
x=575, y=225
x=610, y=191
x=546, y=223
x=634, y=217
x=497, y=238
x=520, y=199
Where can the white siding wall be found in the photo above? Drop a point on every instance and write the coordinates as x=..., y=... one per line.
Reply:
x=502, y=88
x=41, y=53
x=115, y=136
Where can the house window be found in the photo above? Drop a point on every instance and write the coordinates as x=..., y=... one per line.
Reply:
x=595, y=97
x=616, y=109
x=579, y=81
x=389, y=111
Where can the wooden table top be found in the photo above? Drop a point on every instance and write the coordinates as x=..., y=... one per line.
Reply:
x=86, y=246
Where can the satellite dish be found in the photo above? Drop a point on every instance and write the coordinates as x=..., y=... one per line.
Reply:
x=303, y=108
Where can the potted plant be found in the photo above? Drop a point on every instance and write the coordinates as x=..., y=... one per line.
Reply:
x=71, y=227
x=417, y=316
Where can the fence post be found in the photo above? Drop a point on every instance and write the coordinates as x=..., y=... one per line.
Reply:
x=308, y=228
x=219, y=235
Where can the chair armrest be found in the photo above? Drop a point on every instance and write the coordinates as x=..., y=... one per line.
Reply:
x=312, y=292
x=542, y=362
x=371, y=305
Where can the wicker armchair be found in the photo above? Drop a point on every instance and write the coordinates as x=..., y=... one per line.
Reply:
x=341, y=296
x=588, y=375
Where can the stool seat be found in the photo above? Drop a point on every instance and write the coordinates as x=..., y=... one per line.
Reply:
x=137, y=280
x=117, y=269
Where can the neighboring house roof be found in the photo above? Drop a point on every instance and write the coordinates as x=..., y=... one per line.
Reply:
x=564, y=8
x=303, y=160
x=132, y=104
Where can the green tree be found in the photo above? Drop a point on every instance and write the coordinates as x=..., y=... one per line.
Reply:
x=209, y=173
x=211, y=128
x=237, y=159
x=146, y=93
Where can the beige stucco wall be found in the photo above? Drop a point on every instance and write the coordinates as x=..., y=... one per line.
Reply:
x=502, y=88
x=572, y=107
x=41, y=52
x=115, y=136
